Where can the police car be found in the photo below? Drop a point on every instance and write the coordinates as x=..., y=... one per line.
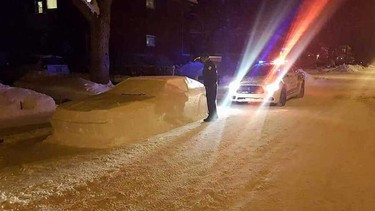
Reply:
x=269, y=83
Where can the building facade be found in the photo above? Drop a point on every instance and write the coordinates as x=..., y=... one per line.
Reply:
x=144, y=33
x=149, y=33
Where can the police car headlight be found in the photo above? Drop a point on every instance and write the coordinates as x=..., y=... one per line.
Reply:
x=234, y=86
x=271, y=88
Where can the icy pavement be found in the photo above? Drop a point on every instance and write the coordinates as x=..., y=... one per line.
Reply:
x=317, y=153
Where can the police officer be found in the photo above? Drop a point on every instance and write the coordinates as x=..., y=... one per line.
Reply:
x=210, y=83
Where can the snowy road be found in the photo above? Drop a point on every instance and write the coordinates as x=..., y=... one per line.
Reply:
x=317, y=153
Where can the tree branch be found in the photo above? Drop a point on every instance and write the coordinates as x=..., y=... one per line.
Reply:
x=94, y=6
x=104, y=5
x=84, y=9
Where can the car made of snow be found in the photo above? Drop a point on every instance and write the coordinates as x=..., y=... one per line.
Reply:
x=62, y=88
x=133, y=110
x=24, y=107
x=268, y=83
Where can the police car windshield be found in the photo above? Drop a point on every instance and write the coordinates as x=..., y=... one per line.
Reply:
x=262, y=70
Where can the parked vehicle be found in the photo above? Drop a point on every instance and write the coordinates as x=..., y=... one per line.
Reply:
x=18, y=66
x=49, y=64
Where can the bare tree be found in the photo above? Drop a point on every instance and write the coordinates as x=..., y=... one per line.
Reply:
x=98, y=15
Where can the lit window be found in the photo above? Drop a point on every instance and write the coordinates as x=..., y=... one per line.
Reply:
x=52, y=4
x=39, y=7
x=150, y=4
x=150, y=40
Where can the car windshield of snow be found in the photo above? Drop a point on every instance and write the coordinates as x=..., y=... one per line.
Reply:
x=139, y=87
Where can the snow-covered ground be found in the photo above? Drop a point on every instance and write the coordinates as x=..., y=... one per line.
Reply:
x=61, y=87
x=317, y=153
x=23, y=106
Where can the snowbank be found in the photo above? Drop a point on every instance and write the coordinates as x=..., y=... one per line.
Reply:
x=62, y=88
x=347, y=69
x=371, y=67
x=133, y=110
x=341, y=69
x=22, y=107
x=118, y=78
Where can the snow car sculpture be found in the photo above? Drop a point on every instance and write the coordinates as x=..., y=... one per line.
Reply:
x=23, y=107
x=133, y=110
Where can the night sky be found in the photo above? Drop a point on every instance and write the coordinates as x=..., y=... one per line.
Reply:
x=352, y=24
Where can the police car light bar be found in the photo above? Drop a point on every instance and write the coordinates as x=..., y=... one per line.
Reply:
x=261, y=62
x=279, y=61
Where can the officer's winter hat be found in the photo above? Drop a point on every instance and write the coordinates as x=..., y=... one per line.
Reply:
x=205, y=55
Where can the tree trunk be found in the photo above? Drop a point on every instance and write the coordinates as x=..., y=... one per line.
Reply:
x=99, y=48
x=98, y=15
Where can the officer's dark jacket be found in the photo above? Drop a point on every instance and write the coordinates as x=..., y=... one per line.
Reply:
x=209, y=73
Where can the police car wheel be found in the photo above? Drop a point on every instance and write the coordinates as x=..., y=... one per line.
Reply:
x=282, y=100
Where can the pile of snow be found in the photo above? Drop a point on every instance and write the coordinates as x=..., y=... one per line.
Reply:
x=371, y=67
x=62, y=88
x=133, y=110
x=22, y=107
x=347, y=69
x=312, y=71
x=118, y=78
